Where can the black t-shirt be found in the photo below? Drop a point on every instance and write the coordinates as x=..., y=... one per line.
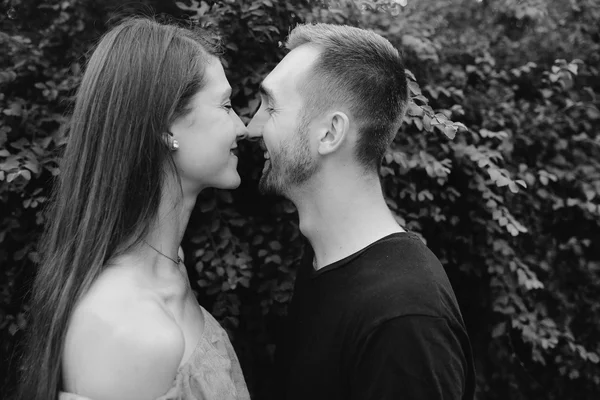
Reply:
x=382, y=323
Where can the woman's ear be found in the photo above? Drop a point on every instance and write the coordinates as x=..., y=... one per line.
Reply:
x=335, y=132
x=171, y=142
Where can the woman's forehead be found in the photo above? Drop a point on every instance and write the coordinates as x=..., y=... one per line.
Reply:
x=216, y=83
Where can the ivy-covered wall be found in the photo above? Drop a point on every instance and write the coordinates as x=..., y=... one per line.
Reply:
x=496, y=167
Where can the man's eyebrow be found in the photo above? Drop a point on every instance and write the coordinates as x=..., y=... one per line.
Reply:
x=227, y=93
x=267, y=93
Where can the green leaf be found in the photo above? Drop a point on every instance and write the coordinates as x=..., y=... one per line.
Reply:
x=410, y=75
x=592, y=112
x=7, y=77
x=15, y=109
x=203, y=283
x=414, y=110
x=11, y=176
x=502, y=181
x=427, y=123
x=418, y=123
x=289, y=207
x=208, y=205
x=226, y=196
x=499, y=330
x=31, y=166
x=450, y=131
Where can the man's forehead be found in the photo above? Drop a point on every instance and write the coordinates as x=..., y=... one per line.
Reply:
x=291, y=69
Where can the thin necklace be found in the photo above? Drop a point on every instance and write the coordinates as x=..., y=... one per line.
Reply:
x=163, y=254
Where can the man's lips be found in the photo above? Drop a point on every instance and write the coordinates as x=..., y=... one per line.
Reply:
x=267, y=166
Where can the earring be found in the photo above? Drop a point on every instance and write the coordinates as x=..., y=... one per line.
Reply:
x=173, y=144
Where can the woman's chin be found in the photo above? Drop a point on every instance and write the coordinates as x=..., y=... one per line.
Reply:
x=229, y=182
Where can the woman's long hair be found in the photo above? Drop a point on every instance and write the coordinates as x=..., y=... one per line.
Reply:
x=140, y=78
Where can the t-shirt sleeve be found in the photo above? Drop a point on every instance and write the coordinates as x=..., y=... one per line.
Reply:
x=410, y=358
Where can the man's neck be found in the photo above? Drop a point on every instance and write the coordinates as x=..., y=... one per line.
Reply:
x=342, y=218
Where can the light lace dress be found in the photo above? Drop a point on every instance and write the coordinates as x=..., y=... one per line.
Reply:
x=212, y=372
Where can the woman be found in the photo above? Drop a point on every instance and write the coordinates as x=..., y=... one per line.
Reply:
x=112, y=314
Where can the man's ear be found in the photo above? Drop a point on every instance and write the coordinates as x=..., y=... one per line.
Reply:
x=335, y=132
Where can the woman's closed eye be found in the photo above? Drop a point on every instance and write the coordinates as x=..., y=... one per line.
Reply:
x=228, y=107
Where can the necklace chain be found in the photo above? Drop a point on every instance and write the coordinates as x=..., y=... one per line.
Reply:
x=178, y=261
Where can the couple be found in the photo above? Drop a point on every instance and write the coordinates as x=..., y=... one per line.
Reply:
x=113, y=316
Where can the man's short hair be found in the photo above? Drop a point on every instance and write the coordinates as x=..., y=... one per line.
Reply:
x=362, y=71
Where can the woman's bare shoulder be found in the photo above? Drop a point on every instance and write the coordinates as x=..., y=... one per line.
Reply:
x=121, y=345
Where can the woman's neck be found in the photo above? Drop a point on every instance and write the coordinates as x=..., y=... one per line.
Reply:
x=154, y=258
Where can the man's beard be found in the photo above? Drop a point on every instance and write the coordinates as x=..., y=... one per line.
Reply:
x=290, y=167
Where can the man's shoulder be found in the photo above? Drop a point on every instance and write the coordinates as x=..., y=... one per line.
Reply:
x=401, y=253
x=400, y=277
x=401, y=267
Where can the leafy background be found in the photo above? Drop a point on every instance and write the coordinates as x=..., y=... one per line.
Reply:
x=496, y=167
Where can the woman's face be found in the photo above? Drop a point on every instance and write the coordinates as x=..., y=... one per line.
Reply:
x=207, y=136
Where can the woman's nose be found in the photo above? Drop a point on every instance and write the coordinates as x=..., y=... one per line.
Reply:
x=241, y=132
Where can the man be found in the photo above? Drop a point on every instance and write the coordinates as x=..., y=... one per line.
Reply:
x=373, y=314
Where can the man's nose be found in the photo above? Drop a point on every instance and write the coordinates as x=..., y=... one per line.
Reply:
x=256, y=125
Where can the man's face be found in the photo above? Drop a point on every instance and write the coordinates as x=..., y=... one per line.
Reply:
x=279, y=122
